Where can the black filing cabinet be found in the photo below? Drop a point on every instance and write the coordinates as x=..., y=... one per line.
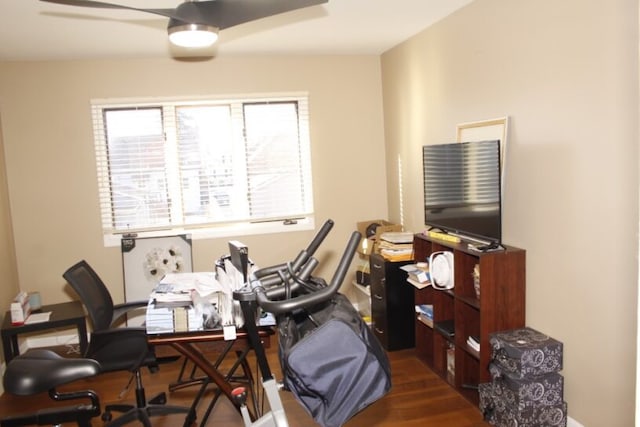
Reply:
x=392, y=306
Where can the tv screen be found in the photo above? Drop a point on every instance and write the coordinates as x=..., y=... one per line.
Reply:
x=462, y=193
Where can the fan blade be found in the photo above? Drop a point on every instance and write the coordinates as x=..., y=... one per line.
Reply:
x=169, y=13
x=228, y=13
x=216, y=13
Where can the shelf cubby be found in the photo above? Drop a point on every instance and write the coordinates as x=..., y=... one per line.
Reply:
x=499, y=306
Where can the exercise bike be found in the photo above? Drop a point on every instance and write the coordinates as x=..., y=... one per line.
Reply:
x=38, y=371
x=290, y=292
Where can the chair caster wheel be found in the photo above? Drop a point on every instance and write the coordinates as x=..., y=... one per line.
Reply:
x=106, y=416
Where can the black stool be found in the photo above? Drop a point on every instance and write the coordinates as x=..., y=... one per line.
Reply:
x=40, y=370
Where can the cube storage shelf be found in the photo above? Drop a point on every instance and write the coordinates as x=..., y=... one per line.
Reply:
x=500, y=306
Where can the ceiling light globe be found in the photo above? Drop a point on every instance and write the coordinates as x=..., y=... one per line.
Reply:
x=193, y=35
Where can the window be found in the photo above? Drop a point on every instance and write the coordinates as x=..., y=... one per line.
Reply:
x=203, y=165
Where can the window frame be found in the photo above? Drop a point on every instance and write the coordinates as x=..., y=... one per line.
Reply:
x=112, y=237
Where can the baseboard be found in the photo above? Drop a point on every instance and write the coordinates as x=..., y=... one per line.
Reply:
x=573, y=423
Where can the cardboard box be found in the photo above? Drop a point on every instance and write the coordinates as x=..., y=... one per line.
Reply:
x=371, y=231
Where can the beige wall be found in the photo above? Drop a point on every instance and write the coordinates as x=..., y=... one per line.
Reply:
x=9, y=288
x=50, y=156
x=566, y=73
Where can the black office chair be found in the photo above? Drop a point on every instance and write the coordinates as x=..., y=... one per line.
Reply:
x=119, y=348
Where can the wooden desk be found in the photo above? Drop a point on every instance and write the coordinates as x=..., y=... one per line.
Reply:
x=187, y=344
x=62, y=315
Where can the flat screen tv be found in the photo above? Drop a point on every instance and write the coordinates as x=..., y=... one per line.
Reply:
x=462, y=189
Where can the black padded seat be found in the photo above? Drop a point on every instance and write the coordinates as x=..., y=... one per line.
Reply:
x=41, y=370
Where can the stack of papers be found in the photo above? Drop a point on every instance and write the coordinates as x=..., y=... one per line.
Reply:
x=38, y=318
x=208, y=301
x=196, y=301
x=165, y=319
x=418, y=275
x=397, y=237
x=396, y=246
x=205, y=283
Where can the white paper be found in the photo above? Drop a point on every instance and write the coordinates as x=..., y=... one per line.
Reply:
x=171, y=297
x=38, y=318
x=203, y=282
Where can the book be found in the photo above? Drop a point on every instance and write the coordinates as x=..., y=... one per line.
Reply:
x=420, y=276
x=446, y=328
x=425, y=314
x=418, y=273
x=418, y=285
x=426, y=309
x=473, y=342
x=425, y=319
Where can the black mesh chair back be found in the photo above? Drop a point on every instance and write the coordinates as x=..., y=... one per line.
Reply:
x=118, y=348
x=94, y=294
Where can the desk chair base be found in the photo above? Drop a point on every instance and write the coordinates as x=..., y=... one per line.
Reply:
x=144, y=410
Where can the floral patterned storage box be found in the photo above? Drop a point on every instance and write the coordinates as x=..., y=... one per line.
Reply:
x=528, y=393
x=525, y=352
x=499, y=413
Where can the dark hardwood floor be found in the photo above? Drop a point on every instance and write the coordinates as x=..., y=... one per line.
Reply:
x=418, y=398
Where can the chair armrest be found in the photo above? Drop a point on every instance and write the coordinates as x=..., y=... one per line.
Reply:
x=119, y=310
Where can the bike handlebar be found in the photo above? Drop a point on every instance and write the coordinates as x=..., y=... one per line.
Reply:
x=303, y=257
x=264, y=297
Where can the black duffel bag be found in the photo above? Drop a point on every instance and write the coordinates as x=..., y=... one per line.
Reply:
x=331, y=361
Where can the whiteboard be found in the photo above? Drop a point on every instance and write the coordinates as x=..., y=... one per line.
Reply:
x=146, y=260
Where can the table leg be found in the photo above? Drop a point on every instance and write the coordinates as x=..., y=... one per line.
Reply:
x=10, y=347
x=241, y=361
x=196, y=356
x=82, y=336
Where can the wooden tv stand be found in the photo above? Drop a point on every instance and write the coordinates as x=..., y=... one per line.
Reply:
x=501, y=306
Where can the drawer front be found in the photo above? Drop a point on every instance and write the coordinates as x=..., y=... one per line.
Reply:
x=379, y=299
x=380, y=329
x=378, y=306
x=378, y=289
x=378, y=274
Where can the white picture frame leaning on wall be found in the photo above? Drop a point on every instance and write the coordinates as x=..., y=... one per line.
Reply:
x=146, y=260
x=486, y=130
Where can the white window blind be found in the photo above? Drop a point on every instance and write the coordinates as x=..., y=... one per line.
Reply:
x=188, y=165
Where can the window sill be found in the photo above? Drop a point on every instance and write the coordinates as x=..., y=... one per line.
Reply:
x=226, y=231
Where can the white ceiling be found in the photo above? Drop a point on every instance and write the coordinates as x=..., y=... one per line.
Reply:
x=33, y=30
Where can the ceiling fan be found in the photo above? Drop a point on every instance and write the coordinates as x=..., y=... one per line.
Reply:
x=195, y=24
